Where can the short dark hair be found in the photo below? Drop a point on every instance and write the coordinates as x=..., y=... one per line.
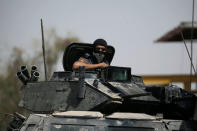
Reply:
x=100, y=42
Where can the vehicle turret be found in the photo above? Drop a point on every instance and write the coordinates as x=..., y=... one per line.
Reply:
x=106, y=90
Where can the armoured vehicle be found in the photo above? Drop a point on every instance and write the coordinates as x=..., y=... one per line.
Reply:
x=108, y=99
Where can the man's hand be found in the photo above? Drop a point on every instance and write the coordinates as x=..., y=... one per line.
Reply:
x=103, y=65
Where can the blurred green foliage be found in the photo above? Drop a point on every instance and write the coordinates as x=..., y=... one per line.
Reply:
x=10, y=92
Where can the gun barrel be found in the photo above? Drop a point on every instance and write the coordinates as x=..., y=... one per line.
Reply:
x=25, y=71
x=23, y=78
x=33, y=69
x=35, y=76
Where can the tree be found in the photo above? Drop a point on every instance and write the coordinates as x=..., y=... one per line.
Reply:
x=10, y=92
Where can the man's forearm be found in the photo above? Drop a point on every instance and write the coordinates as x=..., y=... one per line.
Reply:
x=76, y=65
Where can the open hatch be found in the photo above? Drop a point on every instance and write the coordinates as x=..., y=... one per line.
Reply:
x=75, y=50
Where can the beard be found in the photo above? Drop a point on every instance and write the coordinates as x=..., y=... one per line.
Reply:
x=99, y=56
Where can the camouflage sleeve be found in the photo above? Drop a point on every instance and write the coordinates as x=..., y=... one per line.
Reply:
x=85, y=58
x=82, y=59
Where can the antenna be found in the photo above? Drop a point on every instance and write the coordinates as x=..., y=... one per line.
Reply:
x=192, y=65
x=192, y=30
x=43, y=50
x=190, y=58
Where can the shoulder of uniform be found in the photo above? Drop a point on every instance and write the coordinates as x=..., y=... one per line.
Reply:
x=86, y=55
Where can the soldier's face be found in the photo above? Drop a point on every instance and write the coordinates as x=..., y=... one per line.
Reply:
x=99, y=53
x=101, y=49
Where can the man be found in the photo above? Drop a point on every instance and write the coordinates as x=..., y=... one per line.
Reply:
x=95, y=60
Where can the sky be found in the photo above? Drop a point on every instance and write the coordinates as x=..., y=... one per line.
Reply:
x=131, y=26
